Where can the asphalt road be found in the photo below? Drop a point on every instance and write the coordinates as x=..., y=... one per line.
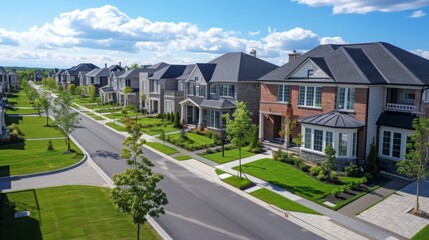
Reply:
x=197, y=209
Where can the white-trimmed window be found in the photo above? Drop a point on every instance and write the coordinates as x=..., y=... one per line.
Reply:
x=227, y=90
x=180, y=86
x=310, y=96
x=201, y=90
x=426, y=96
x=283, y=93
x=191, y=88
x=214, y=119
x=393, y=142
x=344, y=141
x=154, y=86
x=168, y=106
x=346, y=99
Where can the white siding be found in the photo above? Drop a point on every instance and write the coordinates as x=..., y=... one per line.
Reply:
x=375, y=108
x=302, y=72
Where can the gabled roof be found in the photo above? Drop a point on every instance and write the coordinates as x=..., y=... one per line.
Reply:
x=235, y=67
x=116, y=73
x=2, y=71
x=134, y=73
x=12, y=73
x=81, y=67
x=367, y=63
x=334, y=120
x=207, y=70
x=60, y=72
x=169, y=72
x=186, y=72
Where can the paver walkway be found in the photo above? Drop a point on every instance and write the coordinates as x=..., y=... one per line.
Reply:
x=373, y=197
x=392, y=212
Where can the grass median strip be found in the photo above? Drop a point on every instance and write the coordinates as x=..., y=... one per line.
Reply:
x=229, y=155
x=33, y=157
x=183, y=157
x=280, y=201
x=162, y=148
x=67, y=212
x=116, y=126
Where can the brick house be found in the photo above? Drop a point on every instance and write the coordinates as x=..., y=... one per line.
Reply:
x=213, y=88
x=347, y=96
x=99, y=76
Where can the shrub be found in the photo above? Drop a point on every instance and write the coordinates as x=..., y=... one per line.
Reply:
x=303, y=166
x=371, y=160
x=296, y=161
x=14, y=127
x=314, y=170
x=321, y=176
x=124, y=111
x=345, y=188
x=209, y=151
x=335, y=192
x=352, y=170
x=177, y=120
x=368, y=176
x=364, y=180
x=228, y=147
x=50, y=145
x=333, y=175
x=218, y=149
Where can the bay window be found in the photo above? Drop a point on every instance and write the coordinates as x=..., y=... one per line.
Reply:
x=346, y=99
x=283, y=93
x=310, y=96
x=214, y=119
x=227, y=90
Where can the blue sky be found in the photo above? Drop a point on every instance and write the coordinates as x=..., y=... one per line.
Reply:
x=63, y=33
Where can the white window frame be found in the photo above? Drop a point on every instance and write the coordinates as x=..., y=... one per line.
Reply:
x=405, y=133
x=313, y=105
x=351, y=151
x=349, y=96
x=213, y=119
x=426, y=96
x=281, y=98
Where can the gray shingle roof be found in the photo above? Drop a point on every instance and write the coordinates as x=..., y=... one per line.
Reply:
x=234, y=67
x=334, y=120
x=81, y=67
x=368, y=63
x=187, y=72
x=171, y=71
x=218, y=104
x=401, y=120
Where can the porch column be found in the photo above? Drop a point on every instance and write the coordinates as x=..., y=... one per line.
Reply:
x=200, y=118
x=261, y=126
x=182, y=112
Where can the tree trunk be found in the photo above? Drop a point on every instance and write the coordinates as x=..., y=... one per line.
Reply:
x=239, y=159
x=417, y=209
x=138, y=231
x=47, y=120
x=68, y=144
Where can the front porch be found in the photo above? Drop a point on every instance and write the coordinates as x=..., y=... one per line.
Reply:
x=107, y=95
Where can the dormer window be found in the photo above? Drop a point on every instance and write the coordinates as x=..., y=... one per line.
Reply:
x=196, y=78
x=309, y=73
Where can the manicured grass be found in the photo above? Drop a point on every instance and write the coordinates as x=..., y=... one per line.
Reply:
x=193, y=140
x=183, y=157
x=148, y=120
x=229, y=155
x=23, y=111
x=33, y=157
x=67, y=212
x=120, y=115
x=34, y=127
x=157, y=130
x=19, y=99
x=116, y=127
x=164, y=149
x=219, y=171
x=422, y=234
x=289, y=178
x=95, y=116
x=277, y=200
x=240, y=183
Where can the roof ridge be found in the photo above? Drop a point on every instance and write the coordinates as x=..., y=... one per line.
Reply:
x=399, y=62
x=375, y=66
x=354, y=63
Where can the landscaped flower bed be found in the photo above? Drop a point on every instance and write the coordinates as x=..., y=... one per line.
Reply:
x=191, y=141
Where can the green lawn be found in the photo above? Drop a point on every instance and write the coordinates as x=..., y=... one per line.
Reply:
x=164, y=149
x=289, y=178
x=277, y=200
x=422, y=234
x=23, y=111
x=120, y=115
x=34, y=127
x=95, y=116
x=67, y=212
x=183, y=157
x=193, y=140
x=33, y=157
x=19, y=99
x=237, y=182
x=157, y=130
x=230, y=155
x=116, y=127
x=148, y=120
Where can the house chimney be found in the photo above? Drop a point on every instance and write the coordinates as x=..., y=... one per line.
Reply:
x=294, y=55
x=253, y=52
x=120, y=64
x=105, y=65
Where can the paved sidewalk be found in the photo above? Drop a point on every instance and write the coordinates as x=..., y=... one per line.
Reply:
x=392, y=212
x=373, y=197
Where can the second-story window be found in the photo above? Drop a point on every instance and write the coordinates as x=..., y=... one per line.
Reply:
x=283, y=93
x=202, y=91
x=154, y=86
x=227, y=90
x=345, y=99
x=310, y=96
x=191, y=88
x=180, y=86
x=213, y=89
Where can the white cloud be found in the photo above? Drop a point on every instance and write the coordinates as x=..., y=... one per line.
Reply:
x=365, y=6
x=332, y=40
x=417, y=14
x=422, y=53
x=254, y=33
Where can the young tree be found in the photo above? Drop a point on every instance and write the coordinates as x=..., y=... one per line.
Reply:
x=415, y=164
x=177, y=120
x=72, y=89
x=298, y=141
x=143, y=100
x=371, y=160
x=45, y=103
x=162, y=136
x=91, y=93
x=239, y=128
x=328, y=164
x=134, y=66
x=136, y=191
x=64, y=118
x=37, y=105
x=60, y=87
x=51, y=83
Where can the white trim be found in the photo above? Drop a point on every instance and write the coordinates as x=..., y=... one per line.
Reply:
x=404, y=134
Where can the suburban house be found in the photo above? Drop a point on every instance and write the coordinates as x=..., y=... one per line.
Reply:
x=348, y=96
x=59, y=76
x=3, y=131
x=118, y=81
x=13, y=79
x=162, y=90
x=99, y=77
x=3, y=82
x=71, y=76
x=213, y=88
x=38, y=76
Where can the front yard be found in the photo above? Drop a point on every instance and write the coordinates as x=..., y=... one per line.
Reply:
x=67, y=212
x=34, y=127
x=229, y=155
x=191, y=142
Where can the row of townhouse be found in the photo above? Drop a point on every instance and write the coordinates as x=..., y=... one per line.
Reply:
x=8, y=81
x=347, y=95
